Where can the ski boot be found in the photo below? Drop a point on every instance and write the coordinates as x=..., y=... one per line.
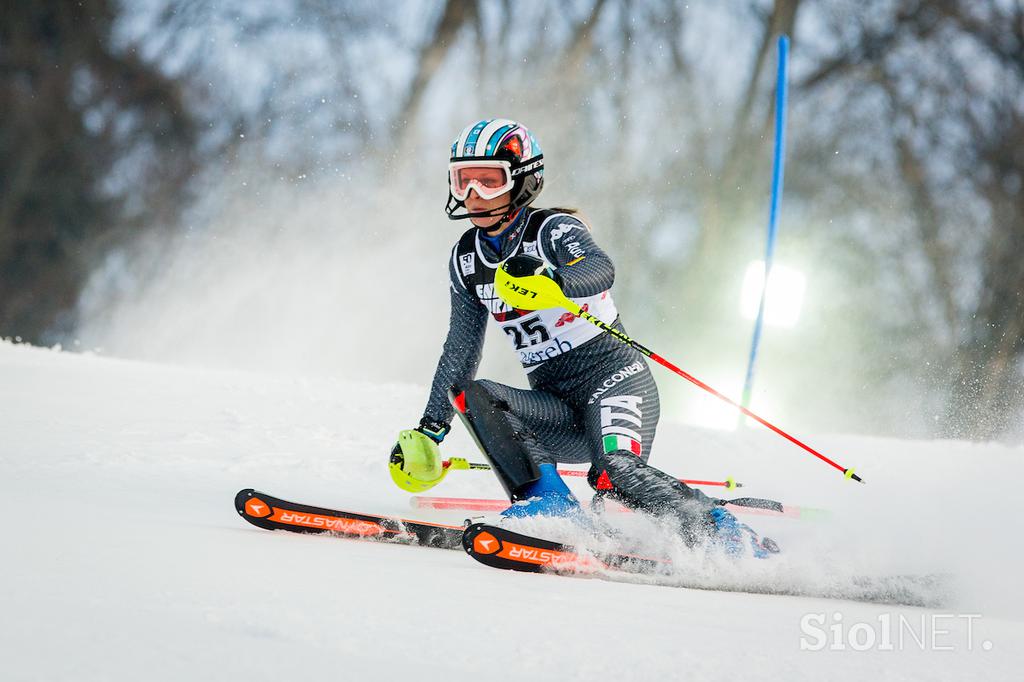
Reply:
x=732, y=536
x=547, y=496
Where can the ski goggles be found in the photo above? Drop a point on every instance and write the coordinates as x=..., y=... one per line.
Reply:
x=490, y=179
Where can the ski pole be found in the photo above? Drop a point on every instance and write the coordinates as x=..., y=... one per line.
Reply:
x=536, y=292
x=462, y=464
x=743, y=505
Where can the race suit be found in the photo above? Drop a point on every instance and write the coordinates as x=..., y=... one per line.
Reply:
x=592, y=398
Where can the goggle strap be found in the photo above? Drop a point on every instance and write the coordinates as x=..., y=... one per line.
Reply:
x=534, y=164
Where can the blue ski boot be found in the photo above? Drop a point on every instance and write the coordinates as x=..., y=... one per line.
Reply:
x=547, y=496
x=733, y=536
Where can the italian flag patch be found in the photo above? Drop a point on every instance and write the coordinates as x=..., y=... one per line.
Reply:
x=615, y=442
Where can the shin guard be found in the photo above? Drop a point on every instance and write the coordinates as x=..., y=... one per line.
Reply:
x=488, y=420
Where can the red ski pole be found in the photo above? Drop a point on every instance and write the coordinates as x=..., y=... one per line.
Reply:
x=536, y=292
x=848, y=472
x=462, y=464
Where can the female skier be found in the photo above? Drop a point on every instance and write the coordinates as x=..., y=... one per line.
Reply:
x=592, y=398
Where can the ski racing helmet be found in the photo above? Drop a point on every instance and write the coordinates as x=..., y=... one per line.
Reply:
x=494, y=156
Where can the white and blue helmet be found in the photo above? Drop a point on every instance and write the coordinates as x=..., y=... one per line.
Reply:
x=500, y=140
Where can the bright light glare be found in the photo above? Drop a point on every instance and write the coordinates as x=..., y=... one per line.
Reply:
x=711, y=413
x=785, y=295
x=700, y=409
x=703, y=409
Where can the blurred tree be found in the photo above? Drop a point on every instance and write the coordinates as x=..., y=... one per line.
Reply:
x=903, y=186
x=92, y=140
x=945, y=144
x=990, y=367
x=731, y=194
x=454, y=15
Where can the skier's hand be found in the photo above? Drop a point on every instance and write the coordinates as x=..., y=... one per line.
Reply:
x=527, y=283
x=435, y=429
x=524, y=265
x=415, y=463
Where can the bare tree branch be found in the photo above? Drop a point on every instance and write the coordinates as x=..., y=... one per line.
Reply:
x=456, y=14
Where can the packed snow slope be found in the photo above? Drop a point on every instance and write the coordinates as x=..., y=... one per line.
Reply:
x=124, y=559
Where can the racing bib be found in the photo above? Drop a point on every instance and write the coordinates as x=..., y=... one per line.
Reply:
x=536, y=335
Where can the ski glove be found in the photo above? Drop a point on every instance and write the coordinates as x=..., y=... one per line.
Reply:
x=435, y=429
x=528, y=283
x=524, y=265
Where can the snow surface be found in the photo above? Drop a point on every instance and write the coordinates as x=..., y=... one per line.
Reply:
x=124, y=558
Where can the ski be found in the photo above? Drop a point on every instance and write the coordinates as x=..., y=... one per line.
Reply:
x=502, y=548
x=273, y=513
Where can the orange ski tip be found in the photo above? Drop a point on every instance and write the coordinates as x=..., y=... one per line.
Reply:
x=257, y=508
x=485, y=543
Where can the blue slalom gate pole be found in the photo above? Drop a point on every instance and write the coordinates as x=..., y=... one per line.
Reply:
x=778, y=171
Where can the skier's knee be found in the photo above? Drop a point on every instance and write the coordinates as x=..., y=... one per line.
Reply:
x=609, y=466
x=478, y=395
